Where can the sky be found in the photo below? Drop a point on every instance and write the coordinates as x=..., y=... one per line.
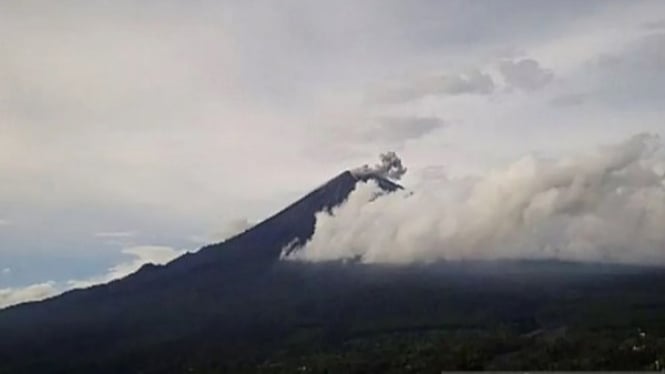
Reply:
x=132, y=131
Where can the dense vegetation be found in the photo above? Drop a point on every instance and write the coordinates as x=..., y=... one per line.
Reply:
x=351, y=318
x=500, y=349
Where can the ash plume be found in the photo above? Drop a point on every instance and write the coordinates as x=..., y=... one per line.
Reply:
x=605, y=205
x=390, y=167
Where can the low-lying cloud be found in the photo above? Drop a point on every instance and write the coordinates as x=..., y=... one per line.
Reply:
x=605, y=205
x=139, y=256
x=35, y=292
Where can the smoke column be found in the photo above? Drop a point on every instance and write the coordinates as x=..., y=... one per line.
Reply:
x=390, y=167
x=605, y=205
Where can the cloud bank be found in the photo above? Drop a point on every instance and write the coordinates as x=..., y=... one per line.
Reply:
x=140, y=255
x=35, y=292
x=604, y=205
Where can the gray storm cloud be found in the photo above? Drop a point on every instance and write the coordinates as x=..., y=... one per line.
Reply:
x=605, y=205
x=526, y=74
x=390, y=167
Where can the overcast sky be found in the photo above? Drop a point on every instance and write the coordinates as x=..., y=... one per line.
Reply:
x=134, y=130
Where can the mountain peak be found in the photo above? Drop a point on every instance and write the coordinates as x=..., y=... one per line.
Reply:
x=389, y=167
x=293, y=225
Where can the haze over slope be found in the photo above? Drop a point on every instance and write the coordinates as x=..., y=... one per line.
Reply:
x=605, y=205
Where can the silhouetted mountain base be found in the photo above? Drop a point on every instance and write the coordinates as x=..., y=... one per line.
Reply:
x=234, y=307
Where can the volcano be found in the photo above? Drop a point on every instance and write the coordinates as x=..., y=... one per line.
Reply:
x=235, y=307
x=158, y=300
x=264, y=242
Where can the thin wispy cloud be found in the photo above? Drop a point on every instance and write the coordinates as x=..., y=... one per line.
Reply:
x=472, y=82
x=35, y=292
x=115, y=234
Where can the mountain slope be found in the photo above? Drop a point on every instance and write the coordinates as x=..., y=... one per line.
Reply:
x=234, y=307
x=152, y=302
x=265, y=241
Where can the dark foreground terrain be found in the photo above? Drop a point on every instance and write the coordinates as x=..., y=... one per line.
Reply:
x=348, y=318
x=235, y=307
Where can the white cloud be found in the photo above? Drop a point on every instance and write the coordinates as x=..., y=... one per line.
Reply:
x=231, y=229
x=605, y=205
x=140, y=255
x=6, y=271
x=4, y=222
x=35, y=292
x=223, y=230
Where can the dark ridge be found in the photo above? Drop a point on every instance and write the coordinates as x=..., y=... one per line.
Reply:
x=294, y=224
x=252, y=251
